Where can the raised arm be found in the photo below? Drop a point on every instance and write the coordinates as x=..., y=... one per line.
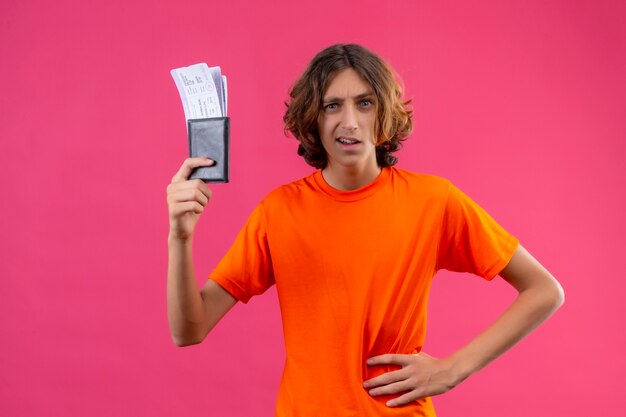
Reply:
x=539, y=295
x=192, y=313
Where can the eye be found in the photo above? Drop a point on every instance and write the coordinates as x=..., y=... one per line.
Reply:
x=366, y=103
x=330, y=106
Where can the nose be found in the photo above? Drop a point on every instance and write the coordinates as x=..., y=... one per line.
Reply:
x=349, y=118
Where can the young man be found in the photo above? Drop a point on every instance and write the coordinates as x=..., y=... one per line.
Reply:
x=352, y=250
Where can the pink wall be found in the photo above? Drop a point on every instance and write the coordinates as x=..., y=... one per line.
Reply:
x=520, y=103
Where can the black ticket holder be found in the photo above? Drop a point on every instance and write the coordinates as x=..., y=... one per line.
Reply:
x=210, y=138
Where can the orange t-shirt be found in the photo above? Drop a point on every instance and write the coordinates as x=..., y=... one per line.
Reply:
x=353, y=271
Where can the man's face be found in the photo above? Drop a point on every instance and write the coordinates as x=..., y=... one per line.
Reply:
x=347, y=121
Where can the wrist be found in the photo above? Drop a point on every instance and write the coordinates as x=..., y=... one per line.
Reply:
x=461, y=367
x=179, y=239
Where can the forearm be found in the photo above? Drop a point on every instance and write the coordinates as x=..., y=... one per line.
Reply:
x=531, y=307
x=185, y=307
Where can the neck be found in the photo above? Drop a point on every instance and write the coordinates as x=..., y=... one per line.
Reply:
x=350, y=178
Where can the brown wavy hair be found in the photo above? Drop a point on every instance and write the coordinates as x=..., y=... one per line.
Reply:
x=393, y=123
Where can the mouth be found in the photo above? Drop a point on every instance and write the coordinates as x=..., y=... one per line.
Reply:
x=346, y=140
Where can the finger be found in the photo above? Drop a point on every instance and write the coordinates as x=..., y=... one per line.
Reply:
x=387, y=378
x=389, y=359
x=407, y=398
x=190, y=184
x=192, y=194
x=188, y=165
x=179, y=209
x=394, y=388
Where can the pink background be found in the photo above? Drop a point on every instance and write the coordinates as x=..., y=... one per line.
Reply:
x=520, y=103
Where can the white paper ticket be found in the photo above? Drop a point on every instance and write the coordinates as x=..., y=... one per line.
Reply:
x=200, y=95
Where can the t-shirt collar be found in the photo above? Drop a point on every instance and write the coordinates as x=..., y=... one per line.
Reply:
x=352, y=195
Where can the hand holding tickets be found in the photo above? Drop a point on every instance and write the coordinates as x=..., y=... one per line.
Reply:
x=203, y=92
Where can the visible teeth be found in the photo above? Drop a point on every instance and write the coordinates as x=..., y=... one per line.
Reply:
x=347, y=141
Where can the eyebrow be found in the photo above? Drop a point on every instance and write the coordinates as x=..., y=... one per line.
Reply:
x=367, y=94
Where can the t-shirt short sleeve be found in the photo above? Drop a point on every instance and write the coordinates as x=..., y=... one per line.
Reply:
x=246, y=269
x=471, y=240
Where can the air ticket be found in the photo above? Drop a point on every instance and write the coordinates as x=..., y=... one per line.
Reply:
x=202, y=91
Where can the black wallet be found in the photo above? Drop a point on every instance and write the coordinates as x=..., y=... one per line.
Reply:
x=210, y=138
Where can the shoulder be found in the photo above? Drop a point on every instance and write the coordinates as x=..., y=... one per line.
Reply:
x=422, y=183
x=292, y=190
